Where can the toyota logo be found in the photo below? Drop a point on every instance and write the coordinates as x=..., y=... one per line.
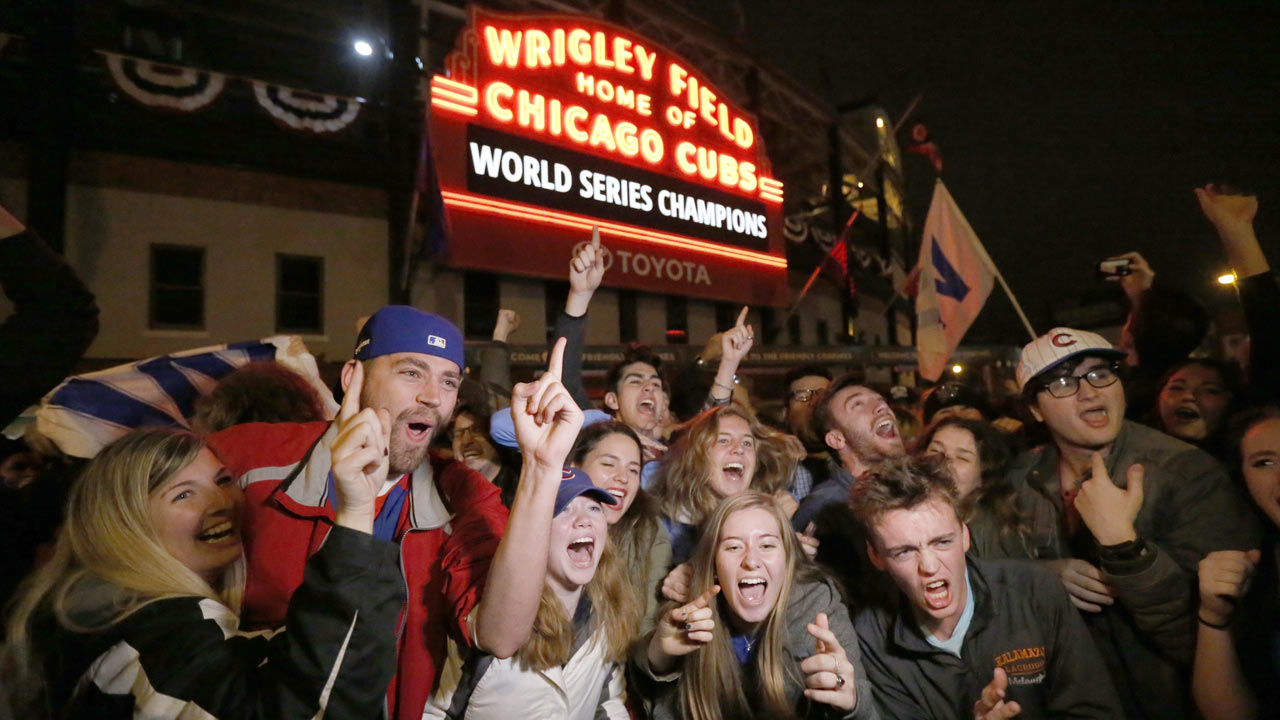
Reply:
x=606, y=257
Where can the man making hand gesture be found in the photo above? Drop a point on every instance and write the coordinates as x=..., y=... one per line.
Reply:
x=466, y=579
x=1123, y=514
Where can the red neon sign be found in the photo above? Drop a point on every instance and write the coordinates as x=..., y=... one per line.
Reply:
x=605, y=91
x=563, y=122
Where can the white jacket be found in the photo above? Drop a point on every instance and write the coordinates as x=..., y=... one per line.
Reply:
x=584, y=688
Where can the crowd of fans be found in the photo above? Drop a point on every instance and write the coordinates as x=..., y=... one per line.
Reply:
x=1102, y=544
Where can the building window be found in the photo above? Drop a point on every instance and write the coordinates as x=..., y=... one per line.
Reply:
x=299, y=294
x=793, y=329
x=556, y=292
x=177, y=287
x=726, y=316
x=677, y=320
x=769, y=325
x=480, y=300
x=628, y=317
x=823, y=333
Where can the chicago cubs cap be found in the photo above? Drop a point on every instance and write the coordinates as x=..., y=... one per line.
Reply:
x=1056, y=347
x=575, y=482
x=400, y=328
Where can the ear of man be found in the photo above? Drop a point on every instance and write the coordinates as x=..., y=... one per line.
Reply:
x=874, y=555
x=348, y=372
x=834, y=439
x=1034, y=406
x=611, y=400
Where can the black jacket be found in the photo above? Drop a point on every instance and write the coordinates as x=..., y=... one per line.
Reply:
x=1022, y=621
x=337, y=654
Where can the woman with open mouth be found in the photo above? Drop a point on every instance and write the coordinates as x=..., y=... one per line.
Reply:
x=978, y=455
x=611, y=454
x=572, y=666
x=135, y=614
x=768, y=635
x=721, y=453
x=1194, y=399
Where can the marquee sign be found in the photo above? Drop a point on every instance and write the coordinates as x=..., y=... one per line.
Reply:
x=545, y=125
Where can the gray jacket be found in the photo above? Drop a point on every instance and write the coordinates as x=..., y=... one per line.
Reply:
x=807, y=600
x=1189, y=509
x=1022, y=622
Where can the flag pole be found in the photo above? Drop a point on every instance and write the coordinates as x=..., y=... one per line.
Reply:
x=841, y=239
x=982, y=253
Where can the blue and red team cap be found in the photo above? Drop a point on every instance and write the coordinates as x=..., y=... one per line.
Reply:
x=575, y=482
x=404, y=329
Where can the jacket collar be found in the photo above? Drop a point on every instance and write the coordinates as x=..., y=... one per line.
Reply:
x=305, y=491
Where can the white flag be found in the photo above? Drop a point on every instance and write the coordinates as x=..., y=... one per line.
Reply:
x=85, y=413
x=956, y=277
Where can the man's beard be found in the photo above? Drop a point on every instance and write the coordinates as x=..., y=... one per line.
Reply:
x=403, y=458
x=864, y=447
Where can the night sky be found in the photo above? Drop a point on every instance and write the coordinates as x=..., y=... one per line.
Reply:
x=1069, y=131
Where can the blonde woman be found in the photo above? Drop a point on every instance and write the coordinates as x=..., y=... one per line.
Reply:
x=722, y=453
x=572, y=665
x=135, y=615
x=767, y=636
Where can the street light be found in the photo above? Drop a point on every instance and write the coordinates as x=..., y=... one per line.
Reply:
x=957, y=368
x=1227, y=279
x=363, y=48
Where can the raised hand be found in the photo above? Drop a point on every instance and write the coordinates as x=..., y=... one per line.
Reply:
x=736, y=342
x=586, y=270
x=1139, y=279
x=682, y=630
x=675, y=586
x=991, y=705
x=1225, y=577
x=546, y=418
x=508, y=322
x=360, y=456
x=1227, y=210
x=1086, y=585
x=1107, y=510
x=809, y=541
x=828, y=674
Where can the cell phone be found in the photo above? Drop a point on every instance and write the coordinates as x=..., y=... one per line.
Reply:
x=1114, y=268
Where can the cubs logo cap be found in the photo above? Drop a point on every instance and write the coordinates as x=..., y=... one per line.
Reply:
x=575, y=482
x=401, y=329
x=1056, y=347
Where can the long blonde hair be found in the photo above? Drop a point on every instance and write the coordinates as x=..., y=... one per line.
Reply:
x=614, y=607
x=711, y=683
x=684, y=485
x=108, y=536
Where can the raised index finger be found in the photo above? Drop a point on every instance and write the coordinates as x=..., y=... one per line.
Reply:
x=351, y=400
x=742, y=316
x=555, y=364
x=595, y=237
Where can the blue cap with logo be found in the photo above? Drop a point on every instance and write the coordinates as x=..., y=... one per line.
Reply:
x=404, y=329
x=575, y=482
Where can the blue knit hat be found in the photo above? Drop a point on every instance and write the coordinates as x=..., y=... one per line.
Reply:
x=400, y=329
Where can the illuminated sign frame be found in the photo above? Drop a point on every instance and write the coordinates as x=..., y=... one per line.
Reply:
x=547, y=124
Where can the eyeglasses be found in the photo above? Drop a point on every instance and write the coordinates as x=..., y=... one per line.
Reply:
x=805, y=396
x=1067, y=385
